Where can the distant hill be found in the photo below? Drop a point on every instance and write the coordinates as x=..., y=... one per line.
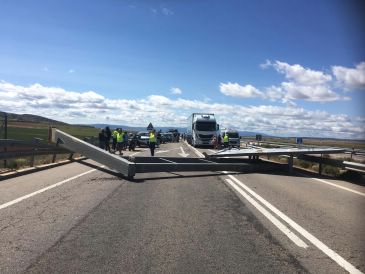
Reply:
x=30, y=118
x=129, y=128
x=164, y=129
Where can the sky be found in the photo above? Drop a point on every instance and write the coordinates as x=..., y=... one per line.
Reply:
x=284, y=68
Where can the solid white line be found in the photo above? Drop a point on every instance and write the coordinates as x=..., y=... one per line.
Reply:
x=271, y=217
x=316, y=242
x=162, y=151
x=43, y=190
x=335, y=185
x=197, y=152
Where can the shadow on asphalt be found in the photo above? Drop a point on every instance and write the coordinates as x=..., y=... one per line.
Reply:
x=117, y=174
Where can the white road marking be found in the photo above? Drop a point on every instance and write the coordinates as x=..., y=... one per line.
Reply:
x=335, y=185
x=44, y=189
x=271, y=217
x=316, y=242
x=197, y=152
x=135, y=153
x=162, y=151
x=183, y=154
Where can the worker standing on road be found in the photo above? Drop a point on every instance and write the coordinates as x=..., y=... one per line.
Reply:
x=108, y=135
x=215, y=142
x=114, y=139
x=226, y=141
x=152, y=142
x=120, y=141
x=102, y=138
x=125, y=140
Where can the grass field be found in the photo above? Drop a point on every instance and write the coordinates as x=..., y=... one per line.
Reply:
x=28, y=131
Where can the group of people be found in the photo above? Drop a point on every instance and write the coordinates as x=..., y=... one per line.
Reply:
x=217, y=141
x=120, y=140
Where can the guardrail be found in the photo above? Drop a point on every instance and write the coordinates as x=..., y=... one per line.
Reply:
x=11, y=149
x=351, y=151
x=358, y=167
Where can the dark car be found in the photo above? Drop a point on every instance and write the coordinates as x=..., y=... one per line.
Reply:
x=143, y=138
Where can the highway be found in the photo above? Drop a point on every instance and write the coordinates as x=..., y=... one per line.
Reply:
x=84, y=218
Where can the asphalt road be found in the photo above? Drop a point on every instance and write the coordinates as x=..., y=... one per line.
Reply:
x=87, y=219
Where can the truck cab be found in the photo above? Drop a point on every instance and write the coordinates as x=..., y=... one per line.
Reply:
x=201, y=129
x=234, y=137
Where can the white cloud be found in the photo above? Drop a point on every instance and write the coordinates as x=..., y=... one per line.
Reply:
x=302, y=84
x=176, y=91
x=91, y=107
x=236, y=90
x=350, y=78
x=319, y=93
x=266, y=65
x=301, y=75
x=166, y=11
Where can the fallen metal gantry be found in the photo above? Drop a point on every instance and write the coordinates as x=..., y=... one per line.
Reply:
x=221, y=161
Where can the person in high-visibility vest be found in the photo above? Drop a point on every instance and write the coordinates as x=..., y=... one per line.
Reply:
x=152, y=142
x=226, y=140
x=120, y=141
x=114, y=139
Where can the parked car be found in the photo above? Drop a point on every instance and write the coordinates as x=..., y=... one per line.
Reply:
x=143, y=138
x=169, y=137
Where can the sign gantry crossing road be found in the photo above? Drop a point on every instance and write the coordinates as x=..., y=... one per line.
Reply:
x=224, y=160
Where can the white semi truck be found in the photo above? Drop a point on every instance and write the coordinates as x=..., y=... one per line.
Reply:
x=233, y=137
x=200, y=129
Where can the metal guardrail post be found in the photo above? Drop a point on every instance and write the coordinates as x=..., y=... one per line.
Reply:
x=32, y=158
x=320, y=165
x=290, y=163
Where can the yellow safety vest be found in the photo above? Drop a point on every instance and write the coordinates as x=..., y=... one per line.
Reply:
x=225, y=139
x=119, y=137
x=115, y=134
x=152, y=138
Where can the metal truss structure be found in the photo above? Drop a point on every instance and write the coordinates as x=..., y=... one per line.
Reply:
x=225, y=160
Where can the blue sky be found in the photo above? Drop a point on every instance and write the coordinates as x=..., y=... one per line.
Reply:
x=278, y=67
